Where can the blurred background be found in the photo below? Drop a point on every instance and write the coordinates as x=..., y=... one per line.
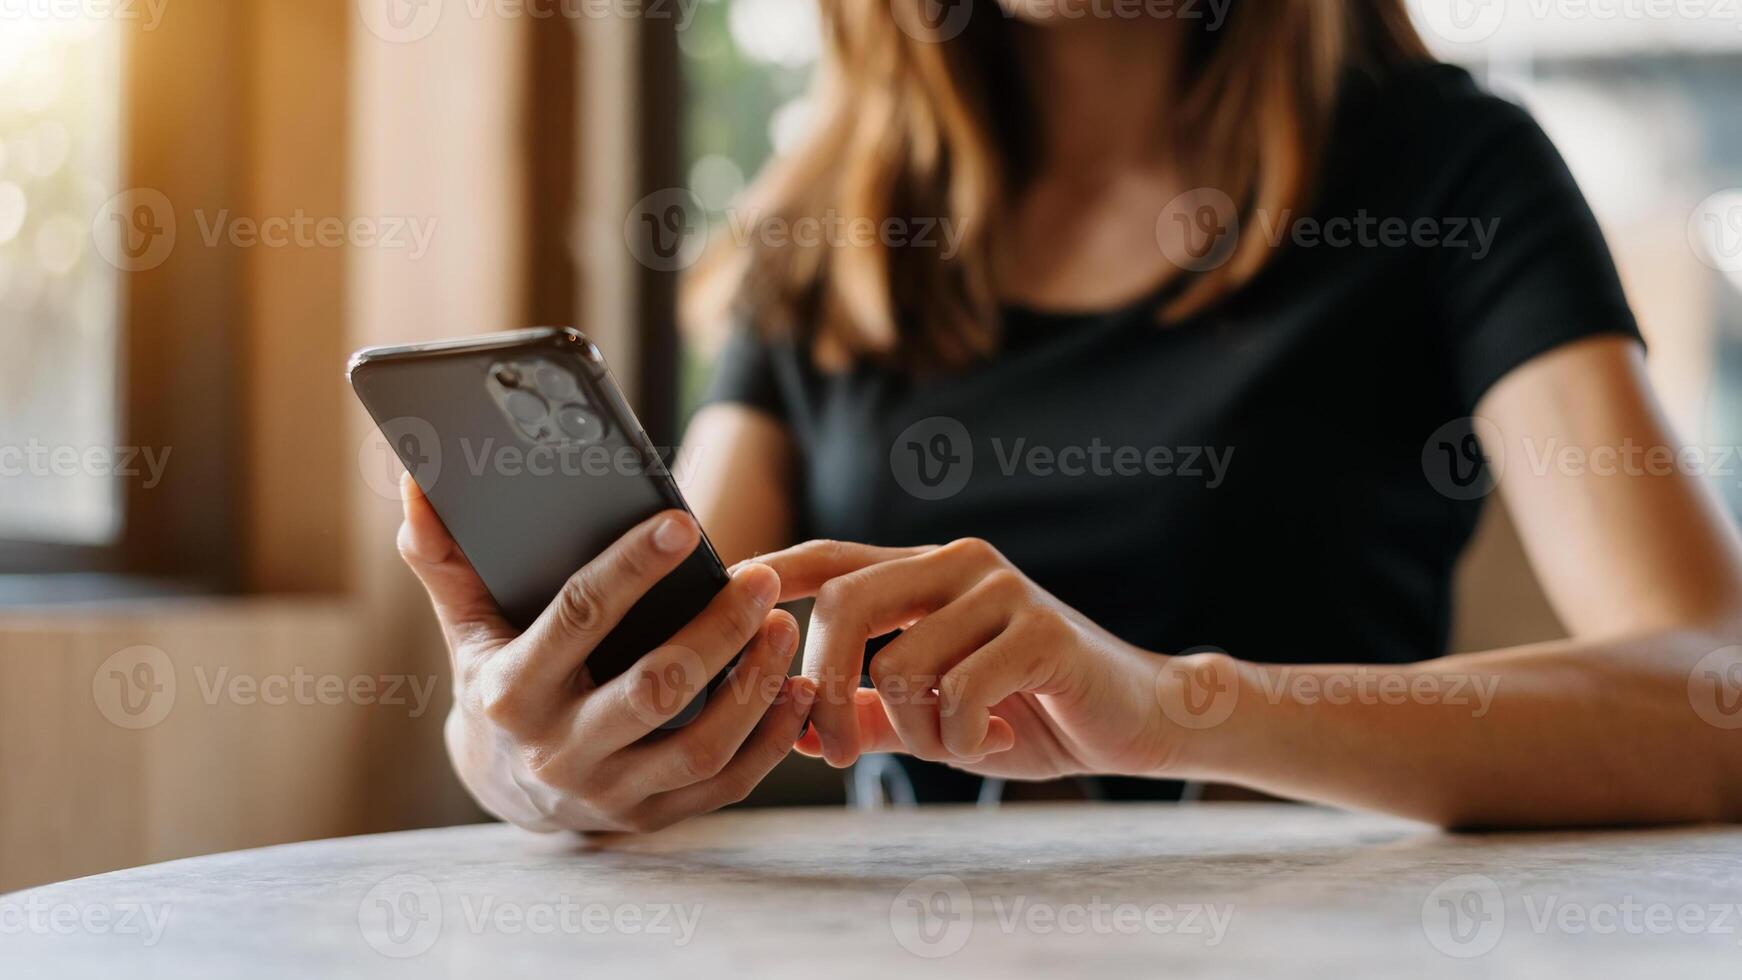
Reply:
x=206, y=638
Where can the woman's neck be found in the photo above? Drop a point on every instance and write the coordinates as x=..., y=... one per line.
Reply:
x=1101, y=87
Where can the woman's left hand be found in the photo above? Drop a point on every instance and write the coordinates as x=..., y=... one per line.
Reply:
x=991, y=673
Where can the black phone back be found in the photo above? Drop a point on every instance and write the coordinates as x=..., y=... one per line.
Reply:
x=528, y=452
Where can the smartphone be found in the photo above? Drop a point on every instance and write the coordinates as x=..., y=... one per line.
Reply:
x=531, y=457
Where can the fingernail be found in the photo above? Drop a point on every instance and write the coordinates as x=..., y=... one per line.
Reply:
x=764, y=590
x=782, y=634
x=670, y=536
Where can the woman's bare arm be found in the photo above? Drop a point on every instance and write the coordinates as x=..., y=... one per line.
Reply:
x=1636, y=718
x=736, y=471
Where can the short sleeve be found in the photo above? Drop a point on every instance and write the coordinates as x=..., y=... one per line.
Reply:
x=746, y=374
x=1532, y=272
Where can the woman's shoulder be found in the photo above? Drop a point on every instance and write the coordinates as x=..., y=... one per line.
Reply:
x=1425, y=123
x=1427, y=97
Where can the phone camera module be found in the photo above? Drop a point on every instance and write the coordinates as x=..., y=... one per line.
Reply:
x=580, y=425
x=545, y=403
x=556, y=384
x=526, y=406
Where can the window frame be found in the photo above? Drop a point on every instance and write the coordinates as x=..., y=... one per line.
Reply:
x=177, y=325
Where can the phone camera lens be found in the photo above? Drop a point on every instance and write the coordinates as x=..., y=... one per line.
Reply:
x=579, y=424
x=508, y=377
x=557, y=384
x=526, y=406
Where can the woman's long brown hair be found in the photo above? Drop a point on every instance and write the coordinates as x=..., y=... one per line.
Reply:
x=916, y=128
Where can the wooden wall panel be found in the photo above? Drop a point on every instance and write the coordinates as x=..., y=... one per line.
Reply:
x=84, y=794
x=294, y=321
x=181, y=320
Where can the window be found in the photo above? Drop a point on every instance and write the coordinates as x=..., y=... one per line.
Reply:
x=59, y=297
x=747, y=64
x=114, y=334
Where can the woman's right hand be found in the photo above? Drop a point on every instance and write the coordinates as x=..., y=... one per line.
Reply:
x=541, y=746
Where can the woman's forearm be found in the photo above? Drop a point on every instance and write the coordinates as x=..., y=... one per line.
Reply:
x=1643, y=730
x=735, y=471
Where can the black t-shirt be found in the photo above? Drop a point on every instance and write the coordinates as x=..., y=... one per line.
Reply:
x=1283, y=476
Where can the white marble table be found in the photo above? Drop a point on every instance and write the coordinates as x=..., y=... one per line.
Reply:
x=1213, y=890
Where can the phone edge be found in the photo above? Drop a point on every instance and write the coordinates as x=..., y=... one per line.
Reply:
x=600, y=378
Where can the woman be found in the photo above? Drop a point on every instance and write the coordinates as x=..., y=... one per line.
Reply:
x=1234, y=311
